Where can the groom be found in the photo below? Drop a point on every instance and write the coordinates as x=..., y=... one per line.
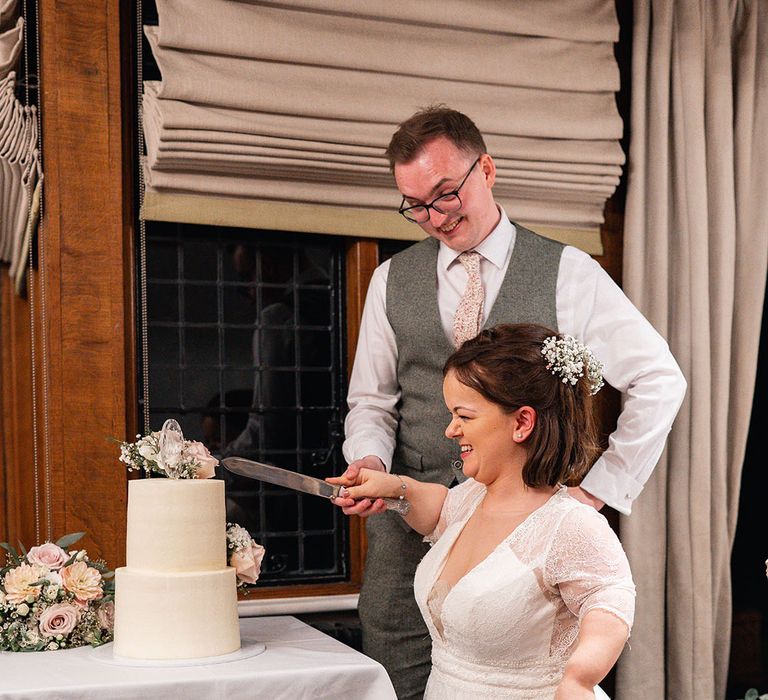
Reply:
x=475, y=268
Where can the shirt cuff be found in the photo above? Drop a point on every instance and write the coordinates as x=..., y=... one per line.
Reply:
x=612, y=486
x=357, y=450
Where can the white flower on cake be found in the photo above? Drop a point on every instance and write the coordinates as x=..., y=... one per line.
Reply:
x=244, y=554
x=51, y=599
x=166, y=452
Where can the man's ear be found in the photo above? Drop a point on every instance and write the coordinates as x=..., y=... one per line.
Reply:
x=489, y=169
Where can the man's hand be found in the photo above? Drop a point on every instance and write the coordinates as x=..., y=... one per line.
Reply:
x=581, y=495
x=366, y=506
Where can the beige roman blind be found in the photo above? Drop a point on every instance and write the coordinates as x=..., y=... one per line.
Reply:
x=277, y=115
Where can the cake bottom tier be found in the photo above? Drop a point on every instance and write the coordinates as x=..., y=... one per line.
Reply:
x=175, y=615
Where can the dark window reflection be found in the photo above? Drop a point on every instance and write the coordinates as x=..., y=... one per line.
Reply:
x=245, y=351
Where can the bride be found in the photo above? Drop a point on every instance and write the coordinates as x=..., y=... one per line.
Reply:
x=527, y=592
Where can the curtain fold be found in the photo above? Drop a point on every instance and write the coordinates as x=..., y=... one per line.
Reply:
x=695, y=260
x=11, y=44
x=19, y=175
x=7, y=12
x=297, y=102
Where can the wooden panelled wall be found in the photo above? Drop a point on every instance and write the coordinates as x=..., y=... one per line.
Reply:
x=88, y=242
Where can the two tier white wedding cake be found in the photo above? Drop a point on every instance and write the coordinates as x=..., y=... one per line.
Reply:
x=176, y=598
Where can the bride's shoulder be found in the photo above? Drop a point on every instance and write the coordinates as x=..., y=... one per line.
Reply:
x=573, y=512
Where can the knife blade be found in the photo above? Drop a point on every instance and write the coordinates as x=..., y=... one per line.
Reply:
x=297, y=482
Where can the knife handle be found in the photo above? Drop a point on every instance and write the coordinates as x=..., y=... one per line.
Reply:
x=398, y=505
x=401, y=506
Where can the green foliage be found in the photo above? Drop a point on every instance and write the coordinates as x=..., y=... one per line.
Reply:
x=69, y=540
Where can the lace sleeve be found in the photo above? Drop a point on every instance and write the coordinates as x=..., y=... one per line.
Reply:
x=458, y=502
x=588, y=566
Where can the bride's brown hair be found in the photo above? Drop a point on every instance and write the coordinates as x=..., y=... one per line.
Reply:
x=505, y=365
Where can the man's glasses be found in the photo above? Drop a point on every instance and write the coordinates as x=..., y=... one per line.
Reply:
x=444, y=204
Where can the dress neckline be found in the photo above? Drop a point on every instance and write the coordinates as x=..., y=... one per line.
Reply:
x=561, y=491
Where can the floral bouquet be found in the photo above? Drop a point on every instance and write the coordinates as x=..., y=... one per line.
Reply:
x=51, y=598
x=166, y=452
x=244, y=555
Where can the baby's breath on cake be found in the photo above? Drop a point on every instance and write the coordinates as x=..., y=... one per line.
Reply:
x=238, y=538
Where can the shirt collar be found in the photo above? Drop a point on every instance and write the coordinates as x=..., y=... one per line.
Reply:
x=495, y=247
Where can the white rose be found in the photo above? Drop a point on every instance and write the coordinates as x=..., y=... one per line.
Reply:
x=148, y=451
x=22, y=609
x=53, y=578
x=52, y=646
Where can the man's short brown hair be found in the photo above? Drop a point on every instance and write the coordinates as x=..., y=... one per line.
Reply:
x=504, y=364
x=428, y=124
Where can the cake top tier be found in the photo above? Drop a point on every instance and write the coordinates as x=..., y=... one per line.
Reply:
x=176, y=525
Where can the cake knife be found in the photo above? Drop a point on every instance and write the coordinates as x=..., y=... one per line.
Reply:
x=298, y=482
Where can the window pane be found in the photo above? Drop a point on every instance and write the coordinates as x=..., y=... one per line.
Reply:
x=201, y=345
x=163, y=302
x=199, y=259
x=245, y=351
x=200, y=304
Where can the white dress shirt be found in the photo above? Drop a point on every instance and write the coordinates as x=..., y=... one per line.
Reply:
x=590, y=307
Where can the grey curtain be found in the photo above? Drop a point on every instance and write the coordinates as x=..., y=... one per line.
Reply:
x=695, y=259
x=295, y=103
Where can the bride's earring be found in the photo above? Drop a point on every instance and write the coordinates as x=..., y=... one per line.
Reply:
x=518, y=435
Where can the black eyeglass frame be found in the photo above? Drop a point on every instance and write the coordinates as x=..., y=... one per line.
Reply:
x=432, y=205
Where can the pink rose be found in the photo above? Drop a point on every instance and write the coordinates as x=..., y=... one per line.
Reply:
x=18, y=583
x=48, y=554
x=247, y=562
x=82, y=580
x=106, y=615
x=196, y=451
x=60, y=618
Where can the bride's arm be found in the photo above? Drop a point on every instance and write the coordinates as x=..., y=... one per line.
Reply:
x=588, y=567
x=364, y=494
x=602, y=636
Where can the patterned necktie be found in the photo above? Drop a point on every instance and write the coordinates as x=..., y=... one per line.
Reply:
x=469, y=314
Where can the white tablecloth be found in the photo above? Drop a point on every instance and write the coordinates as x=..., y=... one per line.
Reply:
x=299, y=662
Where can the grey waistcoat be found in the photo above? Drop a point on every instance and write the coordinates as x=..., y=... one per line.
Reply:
x=527, y=295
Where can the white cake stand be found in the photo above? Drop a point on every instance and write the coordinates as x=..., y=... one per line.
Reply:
x=248, y=648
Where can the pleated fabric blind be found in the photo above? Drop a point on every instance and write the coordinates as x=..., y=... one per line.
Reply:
x=277, y=116
x=20, y=171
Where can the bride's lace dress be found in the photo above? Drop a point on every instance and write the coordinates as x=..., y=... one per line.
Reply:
x=506, y=629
